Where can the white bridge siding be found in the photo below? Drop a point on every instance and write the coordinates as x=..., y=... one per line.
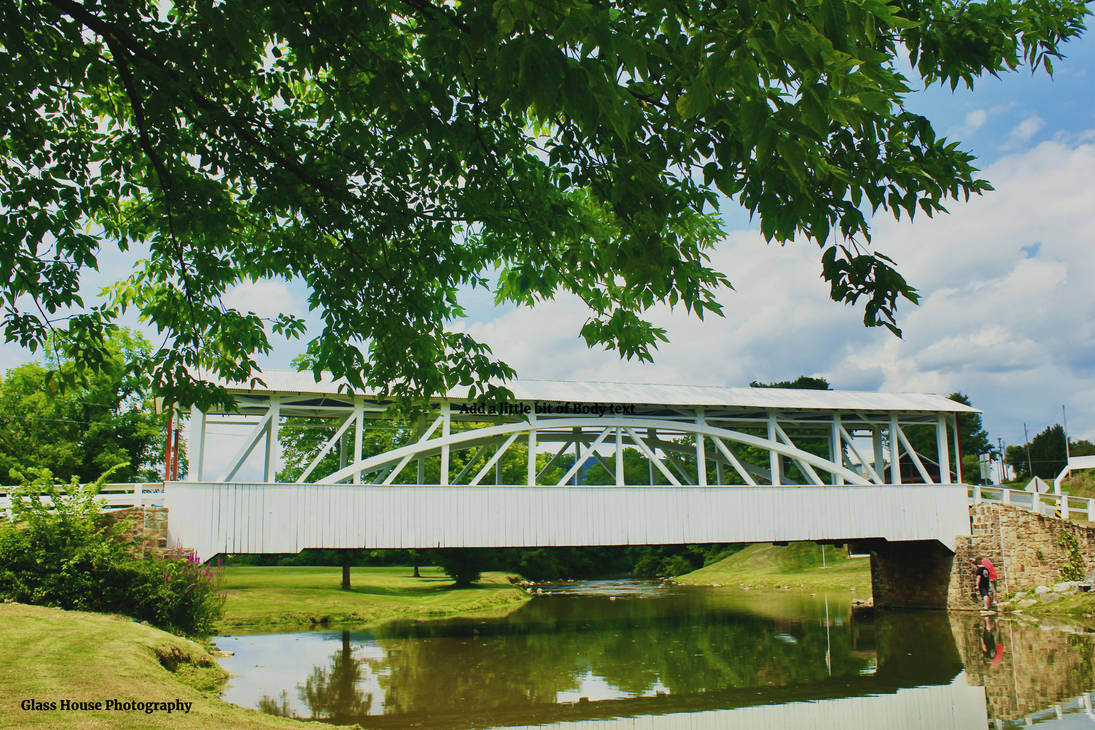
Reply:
x=213, y=518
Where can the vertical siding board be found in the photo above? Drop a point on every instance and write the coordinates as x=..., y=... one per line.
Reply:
x=234, y=522
x=238, y=521
x=227, y=520
x=310, y=516
x=248, y=514
x=224, y=527
x=243, y=505
x=357, y=499
x=248, y=518
x=348, y=515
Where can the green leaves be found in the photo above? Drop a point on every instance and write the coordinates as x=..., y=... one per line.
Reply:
x=388, y=157
x=852, y=275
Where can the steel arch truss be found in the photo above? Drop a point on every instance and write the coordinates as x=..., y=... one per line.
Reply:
x=756, y=447
x=601, y=441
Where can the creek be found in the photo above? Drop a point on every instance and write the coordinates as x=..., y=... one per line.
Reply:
x=630, y=654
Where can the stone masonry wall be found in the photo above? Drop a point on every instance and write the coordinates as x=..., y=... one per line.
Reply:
x=147, y=531
x=910, y=574
x=1022, y=545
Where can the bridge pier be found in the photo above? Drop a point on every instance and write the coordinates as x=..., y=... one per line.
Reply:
x=910, y=573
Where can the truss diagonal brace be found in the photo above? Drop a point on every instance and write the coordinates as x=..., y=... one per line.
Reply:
x=584, y=455
x=652, y=458
x=734, y=462
x=249, y=445
x=327, y=446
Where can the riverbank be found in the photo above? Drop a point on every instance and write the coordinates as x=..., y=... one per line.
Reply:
x=279, y=598
x=792, y=567
x=1070, y=606
x=52, y=655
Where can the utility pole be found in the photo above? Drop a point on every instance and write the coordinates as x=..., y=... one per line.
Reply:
x=1003, y=460
x=1064, y=421
x=1030, y=469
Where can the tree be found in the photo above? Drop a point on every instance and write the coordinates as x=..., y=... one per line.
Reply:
x=973, y=441
x=460, y=564
x=388, y=154
x=332, y=694
x=804, y=382
x=1046, y=453
x=80, y=422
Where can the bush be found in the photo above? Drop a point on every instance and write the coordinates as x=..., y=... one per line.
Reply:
x=463, y=565
x=1073, y=569
x=58, y=550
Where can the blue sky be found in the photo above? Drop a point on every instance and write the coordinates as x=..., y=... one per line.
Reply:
x=1007, y=313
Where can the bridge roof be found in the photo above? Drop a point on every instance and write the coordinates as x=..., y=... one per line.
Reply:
x=690, y=396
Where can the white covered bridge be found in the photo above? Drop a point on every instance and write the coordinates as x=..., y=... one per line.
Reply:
x=574, y=464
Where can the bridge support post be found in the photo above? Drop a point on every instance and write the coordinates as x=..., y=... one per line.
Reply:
x=910, y=574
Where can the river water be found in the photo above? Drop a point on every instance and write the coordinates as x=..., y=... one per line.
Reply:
x=623, y=654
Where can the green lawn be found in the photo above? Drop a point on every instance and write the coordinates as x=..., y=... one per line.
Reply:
x=280, y=597
x=797, y=566
x=49, y=655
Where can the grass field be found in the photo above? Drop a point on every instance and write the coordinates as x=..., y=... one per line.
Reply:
x=51, y=655
x=281, y=597
x=797, y=566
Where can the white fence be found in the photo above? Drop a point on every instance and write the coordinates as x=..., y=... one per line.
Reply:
x=1055, y=505
x=115, y=496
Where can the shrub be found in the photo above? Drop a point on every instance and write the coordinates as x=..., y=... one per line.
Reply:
x=1073, y=569
x=57, y=550
x=460, y=564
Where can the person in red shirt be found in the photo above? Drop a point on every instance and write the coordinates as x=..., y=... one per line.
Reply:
x=992, y=577
x=984, y=581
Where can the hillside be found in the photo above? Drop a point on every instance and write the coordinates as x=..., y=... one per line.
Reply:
x=797, y=566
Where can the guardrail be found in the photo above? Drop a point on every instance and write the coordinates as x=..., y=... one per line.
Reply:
x=1064, y=506
x=115, y=496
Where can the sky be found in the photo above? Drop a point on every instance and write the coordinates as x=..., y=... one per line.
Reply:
x=1007, y=312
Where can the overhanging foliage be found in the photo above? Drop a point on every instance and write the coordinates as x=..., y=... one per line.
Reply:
x=390, y=154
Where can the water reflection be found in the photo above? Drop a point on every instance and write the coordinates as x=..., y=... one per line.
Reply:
x=1025, y=669
x=582, y=656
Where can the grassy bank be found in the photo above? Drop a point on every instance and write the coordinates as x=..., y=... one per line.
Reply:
x=282, y=597
x=51, y=655
x=1076, y=609
x=797, y=566
x=1080, y=484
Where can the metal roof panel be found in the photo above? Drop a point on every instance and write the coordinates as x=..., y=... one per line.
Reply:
x=565, y=391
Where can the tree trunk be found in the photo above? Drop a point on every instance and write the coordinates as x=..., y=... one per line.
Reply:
x=345, y=570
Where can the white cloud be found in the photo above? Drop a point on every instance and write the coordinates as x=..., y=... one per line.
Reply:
x=265, y=298
x=973, y=121
x=1024, y=131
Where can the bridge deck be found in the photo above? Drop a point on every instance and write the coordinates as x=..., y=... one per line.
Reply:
x=286, y=518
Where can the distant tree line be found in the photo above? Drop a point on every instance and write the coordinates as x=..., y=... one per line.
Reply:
x=1044, y=455
x=540, y=564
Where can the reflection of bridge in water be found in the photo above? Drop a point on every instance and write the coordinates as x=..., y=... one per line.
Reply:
x=580, y=464
x=696, y=660
x=686, y=656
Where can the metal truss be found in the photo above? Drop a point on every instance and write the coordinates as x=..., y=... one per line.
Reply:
x=747, y=447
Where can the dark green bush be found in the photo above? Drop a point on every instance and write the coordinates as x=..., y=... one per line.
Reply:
x=463, y=565
x=57, y=550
